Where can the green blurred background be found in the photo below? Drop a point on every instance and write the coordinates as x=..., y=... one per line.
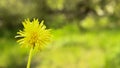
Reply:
x=86, y=33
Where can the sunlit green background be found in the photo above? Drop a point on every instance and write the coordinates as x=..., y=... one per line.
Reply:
x=86, y=33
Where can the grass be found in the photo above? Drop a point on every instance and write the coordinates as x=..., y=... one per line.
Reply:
x=68, y=49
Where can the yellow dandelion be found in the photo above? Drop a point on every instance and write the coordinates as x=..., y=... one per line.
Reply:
x=34, y=34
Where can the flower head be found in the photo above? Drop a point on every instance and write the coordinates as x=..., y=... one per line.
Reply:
x=34, y=34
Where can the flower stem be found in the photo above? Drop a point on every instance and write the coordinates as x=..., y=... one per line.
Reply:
x=30, y=57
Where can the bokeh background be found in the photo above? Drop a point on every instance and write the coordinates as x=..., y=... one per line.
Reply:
x=86, y=33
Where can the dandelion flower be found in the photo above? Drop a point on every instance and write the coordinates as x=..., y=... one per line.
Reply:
x=34, y=34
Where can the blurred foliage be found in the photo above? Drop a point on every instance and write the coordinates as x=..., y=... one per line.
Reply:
x=85, y=33
x=13, y=11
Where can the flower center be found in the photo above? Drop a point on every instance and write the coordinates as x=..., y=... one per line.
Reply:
x=33, y=38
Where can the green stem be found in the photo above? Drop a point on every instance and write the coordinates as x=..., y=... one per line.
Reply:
x=30, y=57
